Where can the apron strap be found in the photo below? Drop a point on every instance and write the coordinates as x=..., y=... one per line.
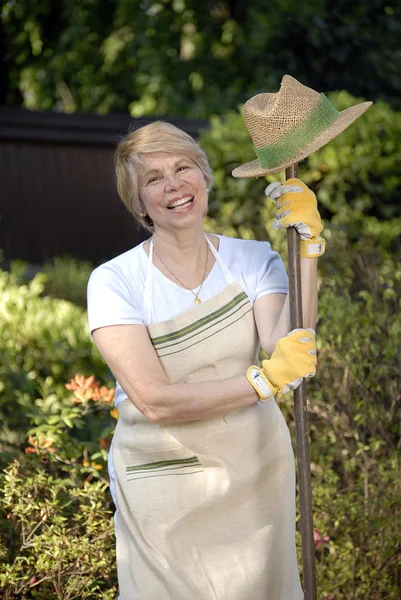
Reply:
x=147, y=300
x=224, y=269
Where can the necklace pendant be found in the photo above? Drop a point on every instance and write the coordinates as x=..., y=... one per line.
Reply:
x=197, y=300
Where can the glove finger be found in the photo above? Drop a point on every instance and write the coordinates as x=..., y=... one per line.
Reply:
x=308, y=352
x=289, y=189
x=292, y=386
x=284, y=190
x=305, y=355
x=280, y=203
x=283, y=214
x=302, y=228
x=302, y=329
x=272, y=190
x=309, y=359
x=277, y=225
x=307, y=338
x=306, y=333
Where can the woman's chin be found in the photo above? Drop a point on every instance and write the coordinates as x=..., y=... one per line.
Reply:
x=181, y=219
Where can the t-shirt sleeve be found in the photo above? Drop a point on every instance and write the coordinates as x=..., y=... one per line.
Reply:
x=271, y=276
x=111, y=301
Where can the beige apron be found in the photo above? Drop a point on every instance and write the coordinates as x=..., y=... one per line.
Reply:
x=206, y=509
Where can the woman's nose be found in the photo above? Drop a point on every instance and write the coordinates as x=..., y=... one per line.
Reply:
x=172, y=181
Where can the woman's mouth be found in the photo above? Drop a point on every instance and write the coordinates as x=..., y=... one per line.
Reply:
x=181, y=204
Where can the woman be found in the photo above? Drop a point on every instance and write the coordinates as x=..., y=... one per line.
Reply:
x=202, y=469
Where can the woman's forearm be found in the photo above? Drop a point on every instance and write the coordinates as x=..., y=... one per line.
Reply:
x=132, y=359
x=309, y=291
x=178, y=403
x=309, y=301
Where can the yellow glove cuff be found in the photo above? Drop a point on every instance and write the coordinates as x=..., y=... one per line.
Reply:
x=312, y=248
x=260, y=382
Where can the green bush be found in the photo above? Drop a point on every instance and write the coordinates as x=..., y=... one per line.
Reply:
x=58, y=541
x=354, y=414
x=67, y=278
x=63, y=277
x=43, y=343
x=57, y=535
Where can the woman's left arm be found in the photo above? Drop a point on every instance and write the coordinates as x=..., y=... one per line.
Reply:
x=296, y=207
x=272, y=311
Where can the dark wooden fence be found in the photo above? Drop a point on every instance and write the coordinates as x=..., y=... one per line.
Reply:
x=57, y=185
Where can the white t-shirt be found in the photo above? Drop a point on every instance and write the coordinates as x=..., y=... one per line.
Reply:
x=116, y=288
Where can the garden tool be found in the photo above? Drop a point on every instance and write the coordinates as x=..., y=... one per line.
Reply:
x=286, y=127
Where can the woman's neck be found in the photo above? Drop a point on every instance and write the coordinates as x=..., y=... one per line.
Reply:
x=181, y=247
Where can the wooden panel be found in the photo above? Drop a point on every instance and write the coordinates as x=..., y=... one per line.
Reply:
x=57, y=193
x=59, y=200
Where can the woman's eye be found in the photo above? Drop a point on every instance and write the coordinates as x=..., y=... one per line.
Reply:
x=182, y=168
x=153, y=179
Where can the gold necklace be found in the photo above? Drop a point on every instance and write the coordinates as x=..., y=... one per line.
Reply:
x=197, y=300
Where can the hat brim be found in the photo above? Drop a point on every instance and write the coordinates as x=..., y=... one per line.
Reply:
x=344, y=120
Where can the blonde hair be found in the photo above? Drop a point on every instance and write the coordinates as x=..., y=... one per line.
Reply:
x=155, y=137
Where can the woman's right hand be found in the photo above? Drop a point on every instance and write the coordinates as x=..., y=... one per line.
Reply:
x=293, y=359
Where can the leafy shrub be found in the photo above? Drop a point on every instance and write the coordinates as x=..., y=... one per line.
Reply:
x=354, y=412
x=67, y=278
x=63, y=277
x=43, y=343
x=59, y=541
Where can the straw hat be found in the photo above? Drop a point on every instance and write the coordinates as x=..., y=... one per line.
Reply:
x=291, y=124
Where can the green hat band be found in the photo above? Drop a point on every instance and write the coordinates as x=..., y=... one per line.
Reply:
x=321, y=118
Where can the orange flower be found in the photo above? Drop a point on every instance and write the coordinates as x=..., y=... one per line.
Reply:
x=31, y=451
x=87, y=389
x=96, y=466
x=40, y=445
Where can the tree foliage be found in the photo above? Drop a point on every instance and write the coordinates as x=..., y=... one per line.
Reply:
x=189, y=58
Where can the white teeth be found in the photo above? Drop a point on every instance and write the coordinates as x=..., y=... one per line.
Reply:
x=180, y=202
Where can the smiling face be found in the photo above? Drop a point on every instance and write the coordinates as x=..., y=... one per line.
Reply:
x=172, y=190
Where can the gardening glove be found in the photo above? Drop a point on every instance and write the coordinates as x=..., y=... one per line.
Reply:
x=297, y=207
x=293, y=359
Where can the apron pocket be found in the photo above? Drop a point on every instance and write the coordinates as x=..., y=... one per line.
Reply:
x=165, y=484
